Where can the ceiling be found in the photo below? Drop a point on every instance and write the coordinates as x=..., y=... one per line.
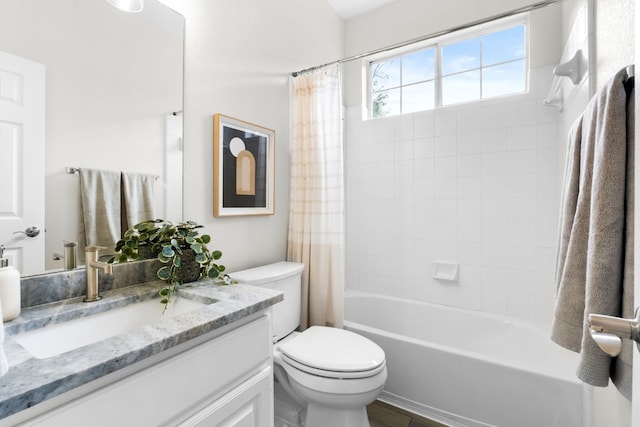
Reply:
x=348, y=9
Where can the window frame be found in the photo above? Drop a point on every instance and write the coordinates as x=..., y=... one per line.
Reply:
x=438, y=43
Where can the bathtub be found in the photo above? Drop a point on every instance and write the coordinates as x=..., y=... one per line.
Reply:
x=465, y=368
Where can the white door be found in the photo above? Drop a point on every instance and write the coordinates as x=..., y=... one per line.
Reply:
x=22, y=134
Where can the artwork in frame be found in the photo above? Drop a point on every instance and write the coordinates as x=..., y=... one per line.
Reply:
x=243, y=168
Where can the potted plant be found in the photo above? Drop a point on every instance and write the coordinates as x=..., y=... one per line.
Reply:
x=180, y=248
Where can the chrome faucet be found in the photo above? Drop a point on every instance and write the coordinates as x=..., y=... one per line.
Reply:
x=91, y=257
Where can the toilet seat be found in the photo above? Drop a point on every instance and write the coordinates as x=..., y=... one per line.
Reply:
x=333, y=353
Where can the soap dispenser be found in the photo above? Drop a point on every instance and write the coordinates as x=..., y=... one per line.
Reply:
x=9, y=289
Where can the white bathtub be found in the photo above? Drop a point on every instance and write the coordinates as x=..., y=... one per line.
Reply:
x=465, y=368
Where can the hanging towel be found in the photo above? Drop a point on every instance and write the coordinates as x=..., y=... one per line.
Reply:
x=138, y=198
x=100, y=204
x=594, y=272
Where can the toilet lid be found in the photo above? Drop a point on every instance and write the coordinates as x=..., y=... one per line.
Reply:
x=334, y=350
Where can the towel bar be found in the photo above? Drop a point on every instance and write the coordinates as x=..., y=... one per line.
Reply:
x=71, y=170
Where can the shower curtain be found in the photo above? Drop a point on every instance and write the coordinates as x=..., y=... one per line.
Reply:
x=316, y=216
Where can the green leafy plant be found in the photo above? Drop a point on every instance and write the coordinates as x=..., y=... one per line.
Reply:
x=173, y=245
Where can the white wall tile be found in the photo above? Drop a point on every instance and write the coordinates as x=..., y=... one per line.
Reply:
x=493, y=115
x=494, y=140
x=469, y=253
x=403, y=149
x=445, y=121
x=423, y=189
x=469, y=165
x=494, y=255
x=494, y=163
x=424, y=124
x=522, y=162
x=445, y=188
x=403, y=128
x=469, y=187
x=547, y=135
x=494, y=186
x=468, y=209
x=522, y=186
x=445, y=145
x=403, y=170
x=468, y=119
x=494, y=209
x=446, y=167
x=469, y=143
x=494, y=232
x=522, y=233
x=522, y=112
x=469, y=231
x=494, y=302
x=477, y=184
x=522, y=137
x=424, y=147
x=521, y=209
x=547, y=159
x=424, y=168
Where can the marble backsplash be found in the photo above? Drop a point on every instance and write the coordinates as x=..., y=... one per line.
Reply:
x=56, y=286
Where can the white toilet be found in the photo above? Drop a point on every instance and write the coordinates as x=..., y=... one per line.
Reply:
x=324, y=376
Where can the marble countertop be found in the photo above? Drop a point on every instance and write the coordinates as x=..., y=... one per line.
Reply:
x=31, y=381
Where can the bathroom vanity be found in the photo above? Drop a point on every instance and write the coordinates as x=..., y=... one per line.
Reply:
x=208, y=366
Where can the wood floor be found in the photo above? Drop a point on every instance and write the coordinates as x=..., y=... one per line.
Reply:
x=384, y=415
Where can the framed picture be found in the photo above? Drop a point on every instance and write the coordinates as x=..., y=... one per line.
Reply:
x=243, y=168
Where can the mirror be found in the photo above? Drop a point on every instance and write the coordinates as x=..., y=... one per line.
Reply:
x=114, y=94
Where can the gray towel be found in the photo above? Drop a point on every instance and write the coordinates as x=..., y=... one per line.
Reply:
x=595, y=251
x=100, y=205
x=138, y=198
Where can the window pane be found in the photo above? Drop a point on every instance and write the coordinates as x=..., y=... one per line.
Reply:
x=461, y=56
x=503, y=46
x=418, y=97
x=418, y=66
x=461, y=87
x=385, y=103
x=504, y=79
x=385, y=75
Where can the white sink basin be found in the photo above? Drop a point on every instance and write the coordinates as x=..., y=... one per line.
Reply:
x=62, y=337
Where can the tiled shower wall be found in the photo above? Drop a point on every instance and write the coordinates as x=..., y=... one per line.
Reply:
x=476, y=184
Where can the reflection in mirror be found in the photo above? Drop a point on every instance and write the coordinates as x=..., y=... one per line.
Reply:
x=114, y=92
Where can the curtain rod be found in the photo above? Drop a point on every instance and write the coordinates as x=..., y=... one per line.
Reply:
x=432, y=35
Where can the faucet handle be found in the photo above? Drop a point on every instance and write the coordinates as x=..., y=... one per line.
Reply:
x=92, y=248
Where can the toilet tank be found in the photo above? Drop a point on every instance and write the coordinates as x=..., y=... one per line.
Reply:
x=283, y=276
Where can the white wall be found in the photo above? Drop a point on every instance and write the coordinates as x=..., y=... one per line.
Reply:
x=239, y=56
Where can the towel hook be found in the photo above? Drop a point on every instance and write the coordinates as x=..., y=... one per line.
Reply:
x=572, y=68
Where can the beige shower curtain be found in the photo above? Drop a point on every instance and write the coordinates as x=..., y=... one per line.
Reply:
x=316, y=215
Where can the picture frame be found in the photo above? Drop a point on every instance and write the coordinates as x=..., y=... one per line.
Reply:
x=243, y=168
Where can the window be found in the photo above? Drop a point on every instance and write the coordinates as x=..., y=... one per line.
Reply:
x=486, y=63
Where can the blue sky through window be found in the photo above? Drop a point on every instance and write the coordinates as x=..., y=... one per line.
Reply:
x=482, y=66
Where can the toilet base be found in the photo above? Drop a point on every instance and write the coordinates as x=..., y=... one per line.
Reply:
x=320, y=416
x=287, y=413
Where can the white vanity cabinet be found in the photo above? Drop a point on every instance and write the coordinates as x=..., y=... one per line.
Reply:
x=224, y=381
